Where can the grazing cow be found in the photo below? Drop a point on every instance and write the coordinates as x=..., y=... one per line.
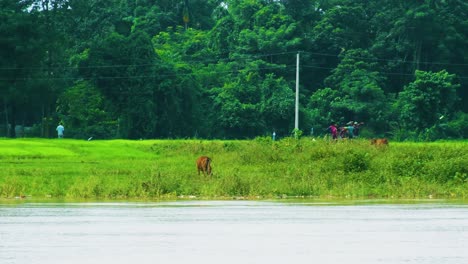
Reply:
x=379, y=141
x=204, y=165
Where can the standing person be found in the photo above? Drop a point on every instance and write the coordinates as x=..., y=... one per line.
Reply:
x=333, y=131
x=357, y=127
x=273, y=136
x=343, y=132
x=60, y=129
x=351, y=131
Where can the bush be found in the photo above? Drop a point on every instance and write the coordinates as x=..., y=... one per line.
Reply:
x=458, y=127
x=355, y=161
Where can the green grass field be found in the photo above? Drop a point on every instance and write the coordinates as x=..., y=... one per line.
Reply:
x=250, y=169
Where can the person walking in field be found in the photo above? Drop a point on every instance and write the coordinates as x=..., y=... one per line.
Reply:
x=60, y=129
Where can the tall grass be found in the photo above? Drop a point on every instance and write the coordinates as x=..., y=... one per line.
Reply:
x=260, y=168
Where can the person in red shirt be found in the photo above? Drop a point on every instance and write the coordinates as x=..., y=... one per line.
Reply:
x=333, y=131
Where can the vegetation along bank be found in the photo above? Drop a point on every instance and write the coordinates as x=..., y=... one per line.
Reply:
x=251, y=169
x=228, y=69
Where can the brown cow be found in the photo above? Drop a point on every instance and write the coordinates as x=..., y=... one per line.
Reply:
x=379, y=141
x=204, y=165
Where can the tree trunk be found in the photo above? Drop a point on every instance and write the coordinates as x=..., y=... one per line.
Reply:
x=7, y=123
x=45, y=125
x=417, y=55
x=12, y=133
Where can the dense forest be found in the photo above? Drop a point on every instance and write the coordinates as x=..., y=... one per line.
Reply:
x=227, y=69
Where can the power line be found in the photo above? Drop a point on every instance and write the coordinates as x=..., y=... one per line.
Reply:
x=193, y=74
x=148, y=76
x=389, y=60
x=385, y=73
x=242, y=57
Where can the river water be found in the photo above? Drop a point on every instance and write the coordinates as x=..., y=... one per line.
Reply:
x=232, y=232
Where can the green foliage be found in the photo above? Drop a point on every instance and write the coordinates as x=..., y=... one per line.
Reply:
x=126, y=88
x=321, y=111
x=355, y=93
x=297, y=133
x=238, y=108
x=251, y=104
x=277, y=103
x=226, y=69
x=356, y=161
x=342, y=28
x=82, y=110
x=456, y=128
x=271, y=31
x=252, y=169
x=427, y=100
x=21, y=49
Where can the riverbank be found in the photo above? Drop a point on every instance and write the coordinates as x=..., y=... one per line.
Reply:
x=245, y=169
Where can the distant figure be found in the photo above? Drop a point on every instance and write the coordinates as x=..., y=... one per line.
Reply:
x=379, y=141
x=60, y=129
x=273, y=136
x=350, y=131
x=333, y=131
x=343, y=132
x=357, y=127
x=204, y=165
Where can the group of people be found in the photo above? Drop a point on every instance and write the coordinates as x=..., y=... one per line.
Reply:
x=350, y=130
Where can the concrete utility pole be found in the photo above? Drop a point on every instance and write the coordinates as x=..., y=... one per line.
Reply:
x=296, y=120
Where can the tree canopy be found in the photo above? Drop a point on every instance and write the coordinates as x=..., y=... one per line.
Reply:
x=227, y=69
